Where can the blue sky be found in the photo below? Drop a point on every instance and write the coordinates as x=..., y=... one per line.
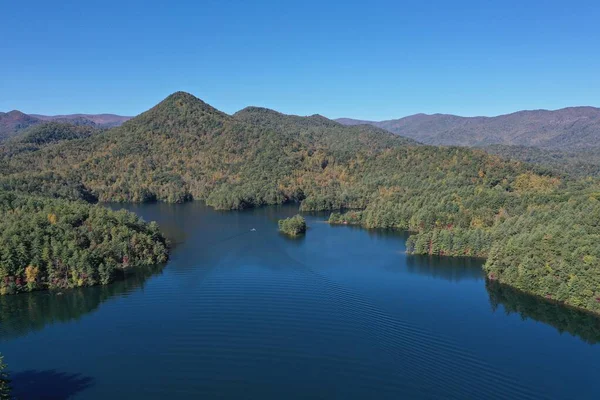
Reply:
x=368, y=59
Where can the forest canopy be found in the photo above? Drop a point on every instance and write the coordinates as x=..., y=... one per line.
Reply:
x=292, y=226
x=57, y=244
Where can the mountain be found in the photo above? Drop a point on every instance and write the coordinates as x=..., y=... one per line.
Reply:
x=100, y=120
x=568, y=128
x=13, y=122
x=321, y=130
x=538, y=230
x=183, y=148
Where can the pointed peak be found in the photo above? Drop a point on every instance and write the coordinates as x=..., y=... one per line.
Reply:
x=181, y=96
x=184, y=99
x=184, y=103
x=176, y=111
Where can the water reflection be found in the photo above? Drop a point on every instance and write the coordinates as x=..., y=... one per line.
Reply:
x=294, y=240
x=51, y=384
x=27, y=312
x=565, y=319
x=448, y=268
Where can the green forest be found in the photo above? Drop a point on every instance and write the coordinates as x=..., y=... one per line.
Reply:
x=4, y=381
x=539, y=230
x=57, y=244
x=577, y=162
x=292, y=226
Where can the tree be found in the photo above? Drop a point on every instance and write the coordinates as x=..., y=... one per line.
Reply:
x=4, y=381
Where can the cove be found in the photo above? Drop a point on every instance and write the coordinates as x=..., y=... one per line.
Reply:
x=341, y=312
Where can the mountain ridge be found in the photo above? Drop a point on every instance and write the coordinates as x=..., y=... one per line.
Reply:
x=565, y=128
x=12, y=123
x=105, y=120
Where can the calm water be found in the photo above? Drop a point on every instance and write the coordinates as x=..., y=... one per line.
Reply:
x=342, y=313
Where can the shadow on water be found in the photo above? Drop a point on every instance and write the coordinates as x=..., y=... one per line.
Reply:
x=373, y=232
x=448, y=268
x=565, y=319
x=50, y=384
x=26, y=312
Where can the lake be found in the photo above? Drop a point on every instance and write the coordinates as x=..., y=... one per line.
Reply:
x=340, y=313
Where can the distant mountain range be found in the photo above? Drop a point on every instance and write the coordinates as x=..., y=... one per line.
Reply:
x=568, y=128
x=13, y=122
x=572, y=128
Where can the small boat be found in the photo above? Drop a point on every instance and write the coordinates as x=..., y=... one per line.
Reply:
x=253, y=230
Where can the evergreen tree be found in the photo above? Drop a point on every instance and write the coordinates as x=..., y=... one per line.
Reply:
x=4, y=381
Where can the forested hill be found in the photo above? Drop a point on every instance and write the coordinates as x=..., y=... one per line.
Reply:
x=51, y=132
x=538, y=230
x=316, y=130
x=183, y=148
x=568, y=128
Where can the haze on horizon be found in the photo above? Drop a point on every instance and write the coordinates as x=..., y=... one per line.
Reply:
x=380, y=61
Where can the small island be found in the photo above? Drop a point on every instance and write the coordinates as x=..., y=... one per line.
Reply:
x=292, y=226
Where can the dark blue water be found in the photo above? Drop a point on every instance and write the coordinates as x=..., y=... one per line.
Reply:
x=341, y=313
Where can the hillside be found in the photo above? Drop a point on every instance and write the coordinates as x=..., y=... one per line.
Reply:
x=51, y=132
x=537, y=229
x=183, y=148
x=568, y=128
x=316, y=129
x=580, y=162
